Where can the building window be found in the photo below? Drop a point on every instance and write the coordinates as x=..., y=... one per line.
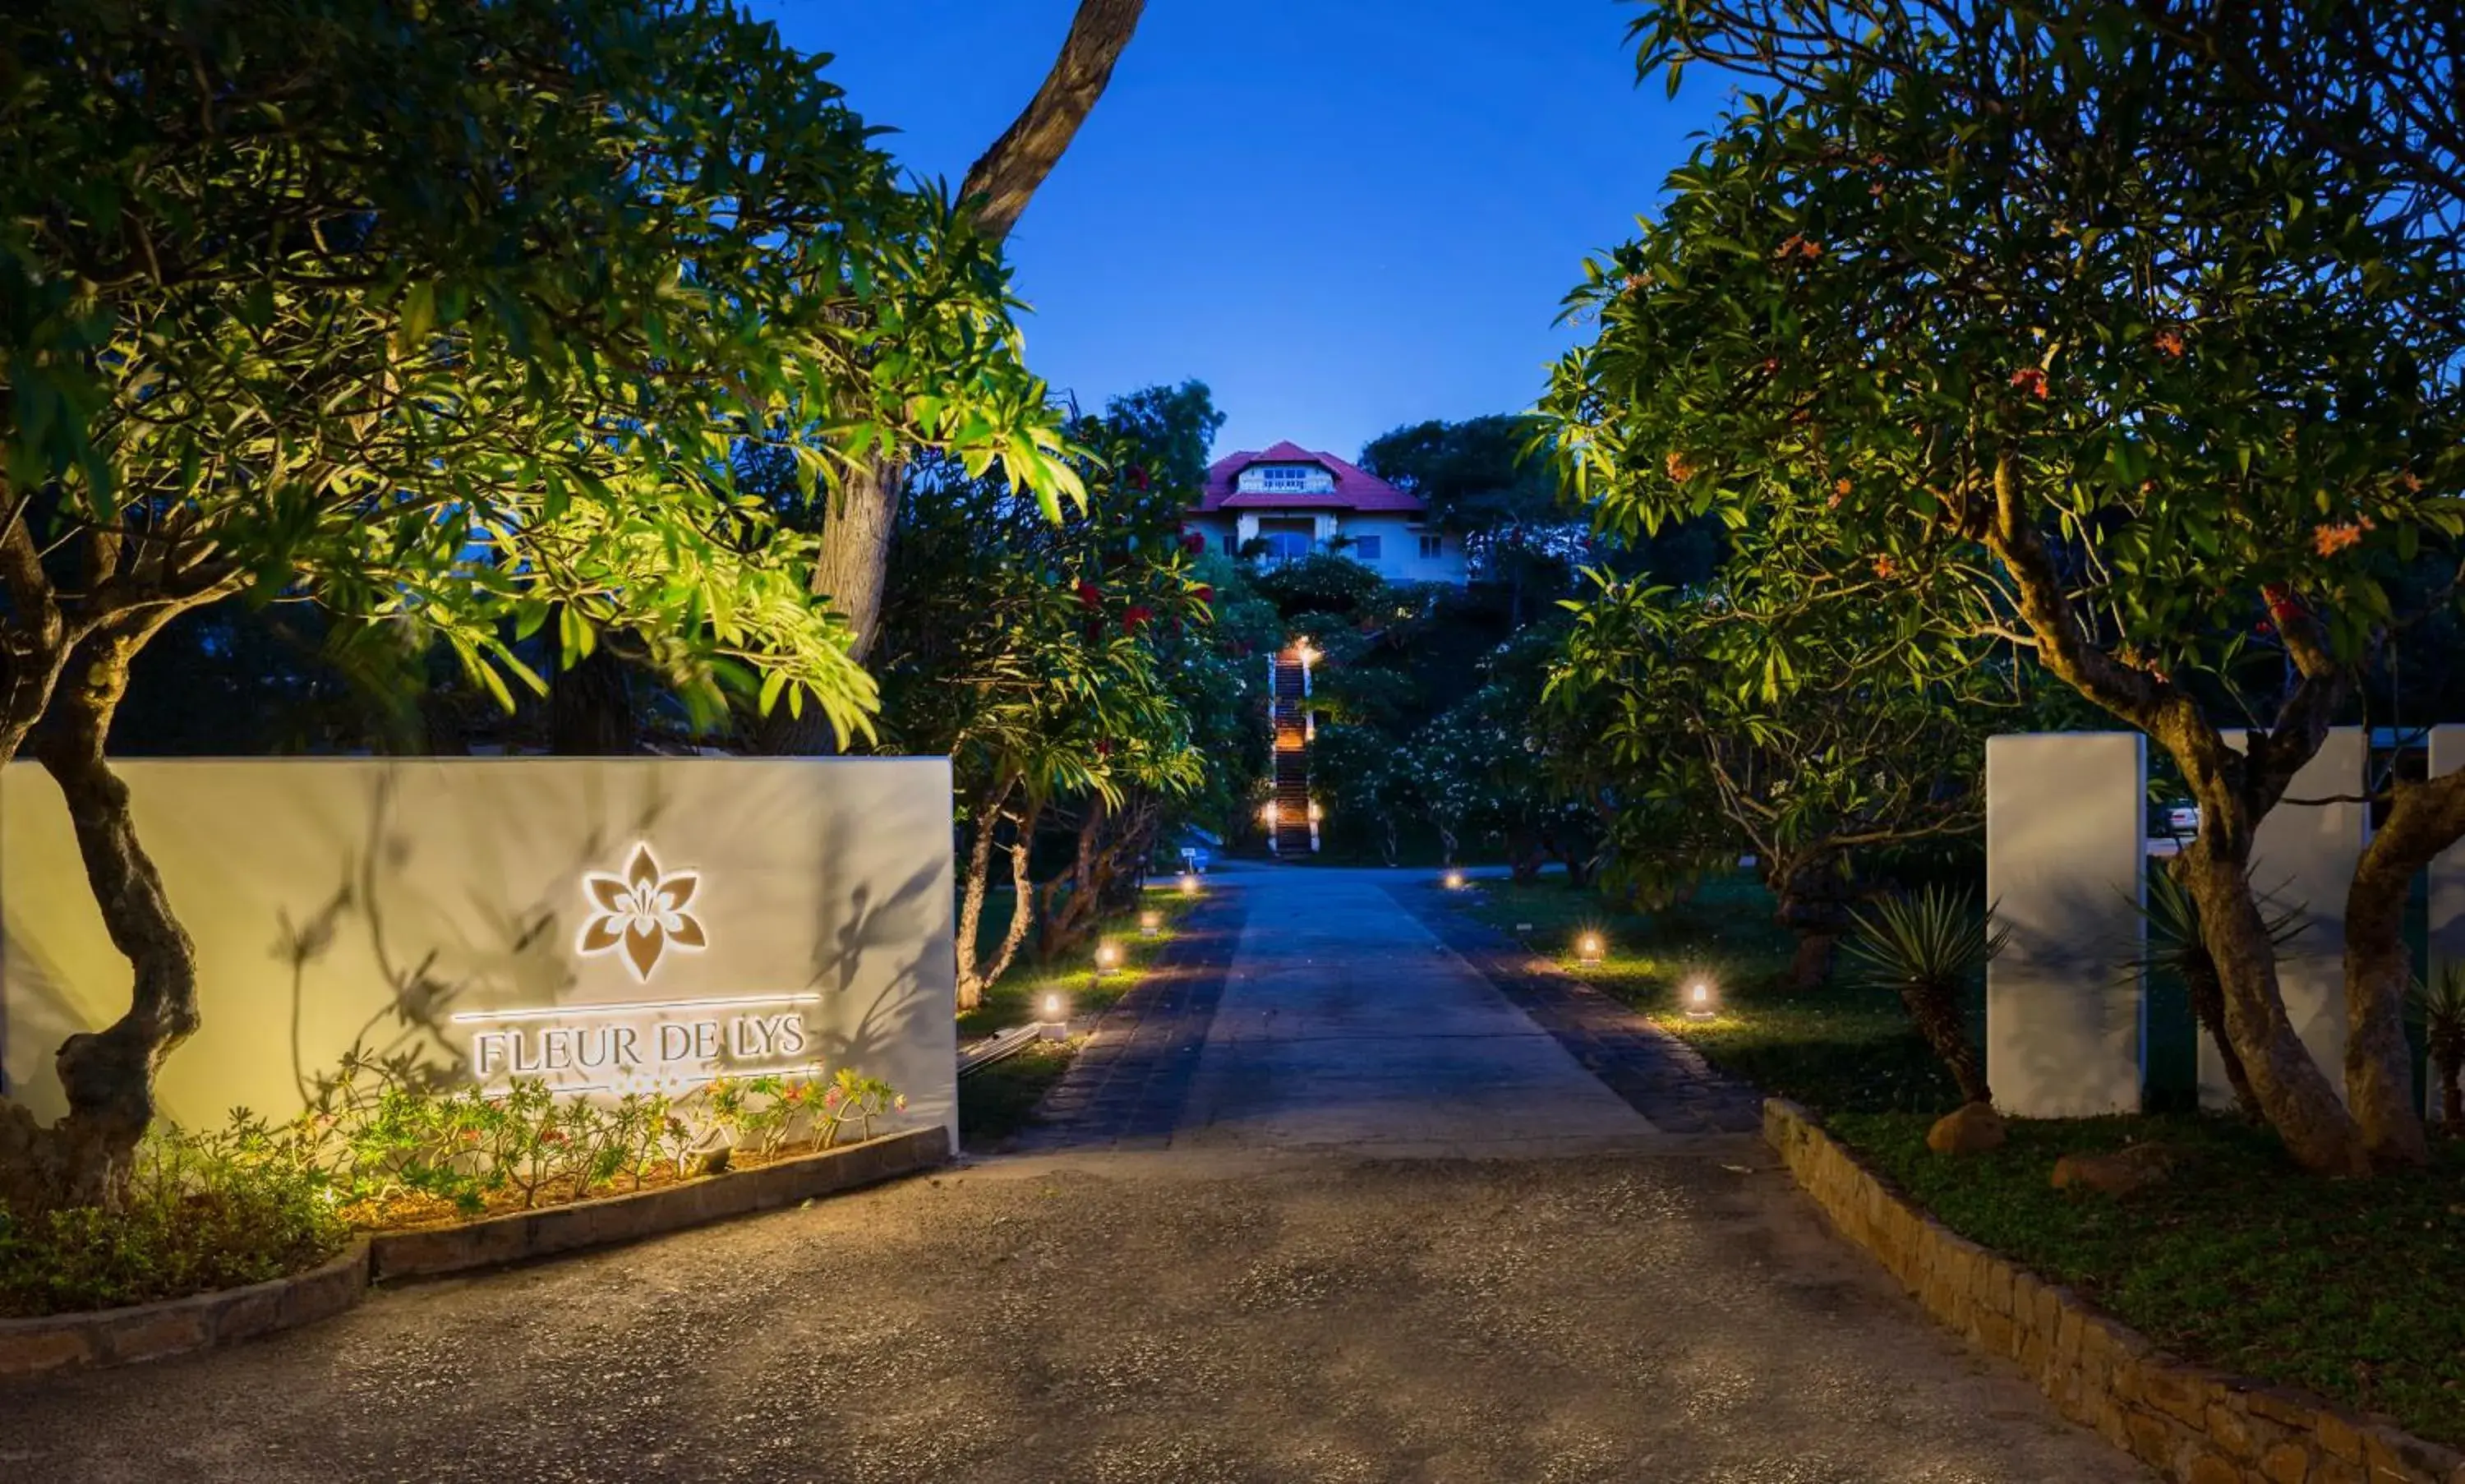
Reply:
x=1366, y=549
x=1433, y=547
x=1231, y=543
x=1284, y=477
x=1287, y=546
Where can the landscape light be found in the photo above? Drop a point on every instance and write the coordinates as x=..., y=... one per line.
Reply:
x=1588, y=948
x=1149, y=922
x=1190, y=883
x=1454, y=880
x=1053, y=1008
x=1108, y=955
x=1699, y=1001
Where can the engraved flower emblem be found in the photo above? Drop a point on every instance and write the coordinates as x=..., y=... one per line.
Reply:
x=641, y=912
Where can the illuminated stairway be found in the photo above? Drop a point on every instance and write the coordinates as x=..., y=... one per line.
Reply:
x=1291, y=831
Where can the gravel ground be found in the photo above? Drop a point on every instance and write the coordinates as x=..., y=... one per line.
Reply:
x=1181, y=1316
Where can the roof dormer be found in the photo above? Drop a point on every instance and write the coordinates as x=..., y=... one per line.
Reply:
x=1284, y=479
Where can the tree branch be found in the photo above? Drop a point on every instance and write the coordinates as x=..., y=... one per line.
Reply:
x=1007, y=173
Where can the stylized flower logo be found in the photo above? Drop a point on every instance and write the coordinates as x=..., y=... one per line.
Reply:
x=643, y=912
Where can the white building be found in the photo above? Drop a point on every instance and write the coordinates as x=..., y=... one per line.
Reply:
x=1299, y=502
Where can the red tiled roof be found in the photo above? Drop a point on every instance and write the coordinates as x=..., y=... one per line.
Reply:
x=1355, y=489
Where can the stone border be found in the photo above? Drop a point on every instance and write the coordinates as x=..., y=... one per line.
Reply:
x=59, y=1343
x=55, y=1342
x=610, y=1219
x=2190, y=1423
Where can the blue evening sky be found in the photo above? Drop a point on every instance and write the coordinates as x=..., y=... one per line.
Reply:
x=1342, y=215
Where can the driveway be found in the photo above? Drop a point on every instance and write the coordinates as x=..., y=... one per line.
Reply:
x=1392, y=1230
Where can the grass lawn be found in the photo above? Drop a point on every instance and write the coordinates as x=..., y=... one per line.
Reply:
x=1829, y=1049
x=2355, y=1290
x=995, y=1101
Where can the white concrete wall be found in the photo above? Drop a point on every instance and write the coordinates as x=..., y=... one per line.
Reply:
x=2447, y=884
x=367, y=901
x=2065, y=838
x=2303, y=858
x=1399, y=556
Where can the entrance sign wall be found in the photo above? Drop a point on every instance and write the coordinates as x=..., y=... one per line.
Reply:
x=2303, y=858
x=2066, y=831
x=601, y=923
x=2446, y=886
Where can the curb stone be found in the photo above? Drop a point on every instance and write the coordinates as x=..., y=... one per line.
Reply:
x=2190, y=1423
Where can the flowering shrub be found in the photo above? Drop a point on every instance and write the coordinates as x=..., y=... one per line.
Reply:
x=223, y=1209
x=382, y=1141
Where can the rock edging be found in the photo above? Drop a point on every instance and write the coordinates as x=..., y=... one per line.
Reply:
x=2192, y=1425
x=54, y=1343
x=60, y=1343
x=550, y=1230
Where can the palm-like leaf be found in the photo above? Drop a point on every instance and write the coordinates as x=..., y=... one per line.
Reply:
x=1932, y=939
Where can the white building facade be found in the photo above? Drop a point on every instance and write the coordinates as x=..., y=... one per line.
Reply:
x=1299, y=502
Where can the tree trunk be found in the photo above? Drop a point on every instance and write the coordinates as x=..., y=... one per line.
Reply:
x=854, y=562
x=1936, y=1016
x=1022, y=906
x=109, y=1074
x=1812, y=904
x=2423, y=820
x=591, y=708
x=972, y=900
x=2299, y=1103
x=1446, y=844
x=2208, y=1009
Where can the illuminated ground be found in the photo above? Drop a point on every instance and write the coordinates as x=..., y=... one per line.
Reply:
x=1305, y=1279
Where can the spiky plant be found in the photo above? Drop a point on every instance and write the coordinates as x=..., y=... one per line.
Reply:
x=1925, y=948
x=2175, y=946
x=2442, y=1004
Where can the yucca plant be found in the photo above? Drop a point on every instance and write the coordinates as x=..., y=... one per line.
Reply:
x=2174, y=946
x=1925, y=948
x=2442, y=1004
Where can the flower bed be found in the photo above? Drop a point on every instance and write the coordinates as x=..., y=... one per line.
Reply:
x=380, y=1152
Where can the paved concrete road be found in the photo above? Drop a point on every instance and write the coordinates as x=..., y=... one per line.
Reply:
x=1251, y=1303
x=1346, y=1023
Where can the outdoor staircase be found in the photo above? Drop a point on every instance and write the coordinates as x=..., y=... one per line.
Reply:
x=1288, y=718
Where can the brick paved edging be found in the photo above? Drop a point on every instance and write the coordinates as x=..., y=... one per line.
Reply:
x=55, y=1342
x=2194, y=1426
x=1655, y=1073
x=626, y=1218
x=58, y=1343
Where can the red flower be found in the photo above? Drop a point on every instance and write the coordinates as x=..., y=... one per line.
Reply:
x=1135, y=616
x=1195, y=544
x=2170, y=342
x=2283, y=605
x=2031, y=380
x=1205, y=595
x=2264, y=629
x=1089, y=594
x=1138, y=477
x=554, y=1136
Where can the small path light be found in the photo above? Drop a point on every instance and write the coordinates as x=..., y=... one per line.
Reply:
x=1588, y=948
x=1055, y=1009
x=1699, y=1001
x=1454, y=880
x=1149, y=922
x=1190, y=883
x=1109, y=958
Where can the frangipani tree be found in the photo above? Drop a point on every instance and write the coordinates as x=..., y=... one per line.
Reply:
x=2029, y=314
x=446, y=320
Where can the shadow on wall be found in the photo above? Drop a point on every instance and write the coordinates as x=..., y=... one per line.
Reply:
x=349, y=907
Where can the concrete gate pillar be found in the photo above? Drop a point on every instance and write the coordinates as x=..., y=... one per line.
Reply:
x=2066, y=837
